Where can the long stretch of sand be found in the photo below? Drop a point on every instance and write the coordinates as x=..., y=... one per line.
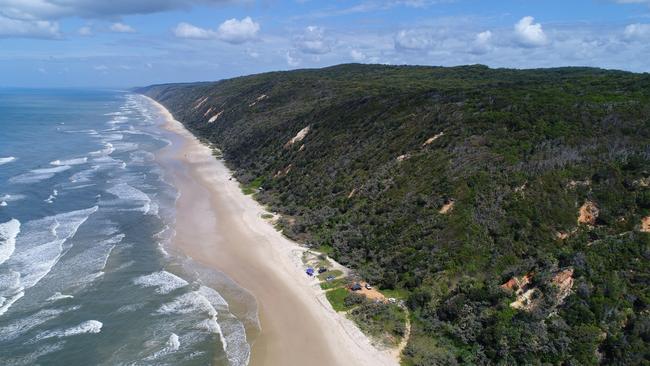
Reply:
x=218, y=226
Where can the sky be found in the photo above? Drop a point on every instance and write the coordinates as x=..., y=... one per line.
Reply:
x=126, y=43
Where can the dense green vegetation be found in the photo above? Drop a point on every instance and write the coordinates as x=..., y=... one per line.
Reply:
x=384, y=322
x=522, y=151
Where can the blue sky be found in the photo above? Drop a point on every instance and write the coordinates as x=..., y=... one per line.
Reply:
x=123, y=43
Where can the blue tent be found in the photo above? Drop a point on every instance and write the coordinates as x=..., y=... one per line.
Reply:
x=310, y=271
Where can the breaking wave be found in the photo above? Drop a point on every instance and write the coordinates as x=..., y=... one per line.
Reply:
x=8, y=232
x=76, y=161
x=164, y=282
x=37, y=175
x=7, y=160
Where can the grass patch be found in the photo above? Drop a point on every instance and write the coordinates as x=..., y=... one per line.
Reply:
x=337, y=297
x=326, y=249
x=256, y=183
x=334, y=272
x=253, y=186
x=400, y=294
x=267, y=216
x=339, y=282
x=247, y=191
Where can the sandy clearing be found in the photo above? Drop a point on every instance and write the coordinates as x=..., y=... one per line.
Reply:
x=299, y=137
x=588, y=213
x=431, y=139
x=215, y=117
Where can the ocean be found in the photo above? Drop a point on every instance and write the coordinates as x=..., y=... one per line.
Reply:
x=87, y=272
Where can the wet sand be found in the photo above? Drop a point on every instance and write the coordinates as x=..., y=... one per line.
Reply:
x=220, y=227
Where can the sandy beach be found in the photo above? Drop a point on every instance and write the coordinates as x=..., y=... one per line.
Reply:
x=220, y=227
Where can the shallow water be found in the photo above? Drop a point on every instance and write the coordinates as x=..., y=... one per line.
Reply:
x=87, y=275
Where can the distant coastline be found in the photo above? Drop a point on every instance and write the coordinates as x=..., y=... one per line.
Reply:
x=222, y=228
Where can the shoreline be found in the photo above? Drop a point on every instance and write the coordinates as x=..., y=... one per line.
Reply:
x=220, y=227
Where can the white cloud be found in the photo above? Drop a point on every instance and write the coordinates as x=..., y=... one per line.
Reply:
x=313, y=41
x=292, y=60
x=55, y=9
x=415, y=3
x=28, y=28
x=121, y=28
x=238, y=31
x=637, y=31
x=530, y=34
x=357, y=55
x=186, y=30
x=232, y=31
x=414, y=39
x=102, y=68
x=482, y=43
x=85, y=31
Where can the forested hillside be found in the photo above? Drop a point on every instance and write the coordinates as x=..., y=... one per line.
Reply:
x=511, y=205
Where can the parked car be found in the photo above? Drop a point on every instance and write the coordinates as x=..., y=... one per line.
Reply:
x=368, y=287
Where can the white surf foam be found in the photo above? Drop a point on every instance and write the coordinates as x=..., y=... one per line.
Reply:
x=89, y=132
x=12, y=197
x=40, y=246
x=141, y=157
x=231, y=332
x=76, y=161
x=38, y=175
x=23, y=325
x=6, y=302
x=8, y=232
x=84, y=175
x=112, y=137
x=52, y=196
x=121, y=147
x=172, y=345
x=107, y=150
x=76, y=271
x=129, y=308
x=6, y=160
x=164, y=282
x=238, y=351
x=202, y=301
x=87, y=327
x=59, y=296
x=127, y=193
x=118, y=119
x=190, y=302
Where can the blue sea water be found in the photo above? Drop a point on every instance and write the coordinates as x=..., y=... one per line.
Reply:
x=86, y=217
